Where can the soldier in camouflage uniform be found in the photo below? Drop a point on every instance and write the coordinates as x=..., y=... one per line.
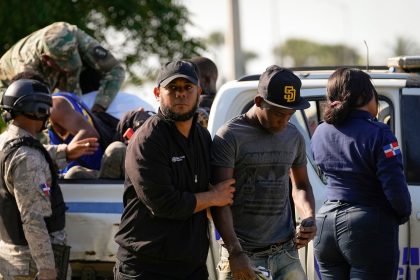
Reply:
x=28, y=190
x=58, y=53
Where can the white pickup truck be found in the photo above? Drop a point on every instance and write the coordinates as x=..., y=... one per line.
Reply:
x=95, y=207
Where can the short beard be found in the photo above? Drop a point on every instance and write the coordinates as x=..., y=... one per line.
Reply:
x=178, y=117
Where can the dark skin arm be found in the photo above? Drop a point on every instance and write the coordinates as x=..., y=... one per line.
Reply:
x=222, y=217
x=305, y=204
x=220, y=194
x=65, y=119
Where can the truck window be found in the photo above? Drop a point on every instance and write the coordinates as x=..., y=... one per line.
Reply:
x=315, y=114
x=410, y=116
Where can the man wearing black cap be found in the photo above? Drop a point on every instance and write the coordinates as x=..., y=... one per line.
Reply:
x=259, y=149
x=163, y=229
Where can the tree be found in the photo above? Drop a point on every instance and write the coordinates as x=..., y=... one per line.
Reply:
x=137, y=31
x=215, y=39
x=405, y=46
x=308, y=53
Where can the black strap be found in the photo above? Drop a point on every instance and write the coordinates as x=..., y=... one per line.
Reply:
x=14, y=144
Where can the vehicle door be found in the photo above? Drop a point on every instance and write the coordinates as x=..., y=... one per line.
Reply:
x=410, y=144
x=306, y=121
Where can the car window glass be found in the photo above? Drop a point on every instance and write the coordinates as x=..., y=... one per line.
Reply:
x=410, y=116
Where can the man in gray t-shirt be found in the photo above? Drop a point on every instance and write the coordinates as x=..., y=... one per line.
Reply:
x=260, y=149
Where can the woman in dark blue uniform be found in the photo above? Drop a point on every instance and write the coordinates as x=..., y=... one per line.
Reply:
x=367, y=194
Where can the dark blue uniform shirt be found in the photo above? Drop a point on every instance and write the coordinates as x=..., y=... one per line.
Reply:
x=363, y=163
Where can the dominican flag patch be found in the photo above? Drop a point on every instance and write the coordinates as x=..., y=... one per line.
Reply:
x=45, y=189
x=392, y=149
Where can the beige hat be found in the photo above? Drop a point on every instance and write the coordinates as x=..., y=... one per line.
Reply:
x=60, y=44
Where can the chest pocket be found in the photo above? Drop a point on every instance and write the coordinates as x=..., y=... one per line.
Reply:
x=180, y=167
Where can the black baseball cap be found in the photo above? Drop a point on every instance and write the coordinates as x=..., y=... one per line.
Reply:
x=177, y=69
x=281, y=88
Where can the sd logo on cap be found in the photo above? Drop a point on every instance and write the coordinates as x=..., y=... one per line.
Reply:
x=281, y=88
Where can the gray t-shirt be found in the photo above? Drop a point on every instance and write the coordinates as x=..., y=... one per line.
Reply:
x=261, y=161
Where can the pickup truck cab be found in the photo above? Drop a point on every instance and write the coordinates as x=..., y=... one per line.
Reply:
x=95, y=207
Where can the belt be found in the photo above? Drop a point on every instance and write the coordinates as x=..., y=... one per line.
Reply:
x=272, y=247
x=339, y=201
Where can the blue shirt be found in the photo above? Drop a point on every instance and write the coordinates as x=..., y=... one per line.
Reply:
x=89, y=161
x=363, y=163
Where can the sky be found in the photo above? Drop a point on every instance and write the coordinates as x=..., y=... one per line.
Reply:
x=265, y=24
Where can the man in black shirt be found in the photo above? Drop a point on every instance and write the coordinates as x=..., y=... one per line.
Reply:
x=163, y=231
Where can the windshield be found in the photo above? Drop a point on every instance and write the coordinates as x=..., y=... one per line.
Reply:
x=410, y=116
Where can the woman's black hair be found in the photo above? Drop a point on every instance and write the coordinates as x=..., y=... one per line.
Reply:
x=347, y=89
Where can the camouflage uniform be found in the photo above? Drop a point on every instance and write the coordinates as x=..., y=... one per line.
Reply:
x=71, y=49
x=25, y=171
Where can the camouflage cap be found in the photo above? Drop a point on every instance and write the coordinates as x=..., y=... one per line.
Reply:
x=60, y=44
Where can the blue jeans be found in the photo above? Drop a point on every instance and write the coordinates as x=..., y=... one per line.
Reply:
x=283, y=263
x=356, y=242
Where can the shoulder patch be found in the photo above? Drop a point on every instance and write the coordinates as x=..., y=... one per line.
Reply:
x=100, y=52
x=392, y=149
x=45, y=189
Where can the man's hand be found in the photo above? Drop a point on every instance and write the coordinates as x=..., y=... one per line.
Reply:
x=240, y=266
x=305, y=232
x=47, y=274
x=222, y=193
x=82, y=147
x=96, y=108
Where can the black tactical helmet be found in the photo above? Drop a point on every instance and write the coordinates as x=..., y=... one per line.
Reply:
x=28, y=97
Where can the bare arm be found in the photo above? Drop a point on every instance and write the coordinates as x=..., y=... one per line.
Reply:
x=305, y=203
x=65, y=119
x=220, y=194
x=222, y=217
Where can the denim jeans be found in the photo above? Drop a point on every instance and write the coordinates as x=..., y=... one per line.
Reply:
x=356, y=242
x=283, y=263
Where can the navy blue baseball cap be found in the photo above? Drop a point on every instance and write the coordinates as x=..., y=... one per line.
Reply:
x=281, y=88
x=177, y=69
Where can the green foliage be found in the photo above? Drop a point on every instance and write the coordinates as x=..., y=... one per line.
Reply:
x=2, y=125
x=308, y=53
x=405, y=46
x=216, y=39
x=135, y=30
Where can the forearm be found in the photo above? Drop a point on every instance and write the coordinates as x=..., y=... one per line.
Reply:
x=204, y=200
x=85, y=133
x=109, y=86
x=396, y=192
x=58, y=154
x=220, y=194
x=305, y=202
x=222, y=218
x=39, y=244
